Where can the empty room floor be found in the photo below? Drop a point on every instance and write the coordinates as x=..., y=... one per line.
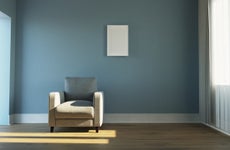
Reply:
x=114, y=137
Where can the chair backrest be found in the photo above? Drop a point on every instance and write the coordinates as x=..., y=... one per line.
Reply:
x=78, y=88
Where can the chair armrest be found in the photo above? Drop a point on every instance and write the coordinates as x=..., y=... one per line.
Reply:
x=55, y=98
x=98, y=108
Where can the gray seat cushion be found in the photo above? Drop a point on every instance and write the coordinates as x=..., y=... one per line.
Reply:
x=80, y=88
x=75, y=109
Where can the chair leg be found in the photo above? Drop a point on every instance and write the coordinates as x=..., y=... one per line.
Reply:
x=51, y=129
x=97, y=129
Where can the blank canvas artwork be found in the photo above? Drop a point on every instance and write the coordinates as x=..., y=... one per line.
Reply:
x=117, y=40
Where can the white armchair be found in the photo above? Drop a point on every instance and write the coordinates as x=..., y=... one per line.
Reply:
x=79, y=105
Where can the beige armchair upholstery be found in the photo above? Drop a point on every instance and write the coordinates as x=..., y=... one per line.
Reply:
x=79, y=105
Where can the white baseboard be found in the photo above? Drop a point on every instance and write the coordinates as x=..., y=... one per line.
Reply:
x=119, y=118
x=215, y=128
x=29, y=118
x=152, y=118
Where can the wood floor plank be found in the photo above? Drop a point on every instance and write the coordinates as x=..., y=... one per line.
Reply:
x=114, y=137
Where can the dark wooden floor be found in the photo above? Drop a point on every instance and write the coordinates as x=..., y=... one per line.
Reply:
x=114, y=137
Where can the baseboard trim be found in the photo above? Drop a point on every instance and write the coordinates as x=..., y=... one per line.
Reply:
x=217, y=129
x=29, y=118
x=151, y=118
x=119, y=118
x=11, y=118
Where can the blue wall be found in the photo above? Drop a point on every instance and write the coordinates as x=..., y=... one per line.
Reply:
x=59, y=38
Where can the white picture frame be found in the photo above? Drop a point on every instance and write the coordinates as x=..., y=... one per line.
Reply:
x=117, y=40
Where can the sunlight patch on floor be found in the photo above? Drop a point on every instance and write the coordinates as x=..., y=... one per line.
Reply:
x=90, y=134
x=54, y=140
x=58, y=137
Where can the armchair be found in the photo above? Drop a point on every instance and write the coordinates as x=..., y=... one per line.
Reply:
x=79, y=105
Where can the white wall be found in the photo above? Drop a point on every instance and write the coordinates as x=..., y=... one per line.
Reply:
x=5, y=52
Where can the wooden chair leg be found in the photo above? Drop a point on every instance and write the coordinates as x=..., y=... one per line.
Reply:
x=51, y=129
x=97, y=129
